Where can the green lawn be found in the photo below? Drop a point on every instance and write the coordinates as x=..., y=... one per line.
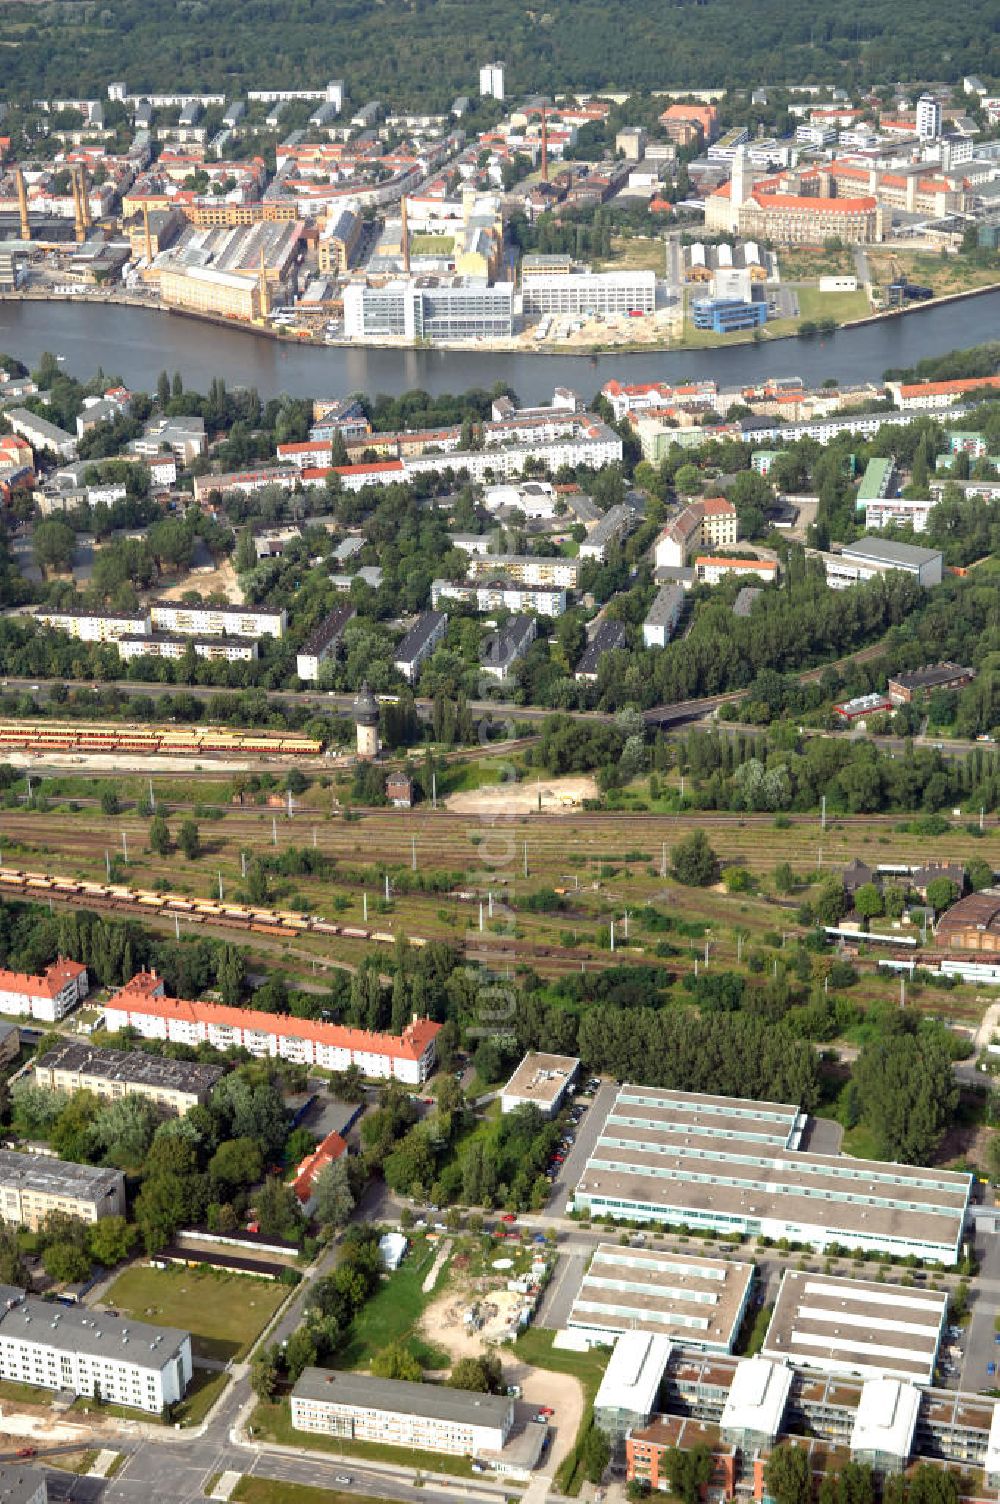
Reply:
x=223, y=1312
x=274, y=1423
x=204, y=1389
x=393, y=1313
x=841, y=306
x=432, y=245
x=272, y=1491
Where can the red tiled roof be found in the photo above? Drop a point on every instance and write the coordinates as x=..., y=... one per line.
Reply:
x=331, y=1148
x=49, y=984
x=817, y=205
x=710, y=559
x=943, y=388
x=410, y=1045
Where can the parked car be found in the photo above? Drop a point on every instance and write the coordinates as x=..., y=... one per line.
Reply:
x=343, y=1479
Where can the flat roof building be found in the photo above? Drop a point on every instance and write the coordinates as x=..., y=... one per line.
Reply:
x=177, y=1085
x=395, y=1412
x=126, y=1362
x=736, y=1166
x=31, y=1186
x=631, y=1384
x=22, y=1485
x=856, y=1327
x=540, y=1081
x=700, y=1302
x=869, y=557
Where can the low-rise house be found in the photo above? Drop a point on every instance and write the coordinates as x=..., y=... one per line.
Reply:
x=427, y=1417
x=399, y=791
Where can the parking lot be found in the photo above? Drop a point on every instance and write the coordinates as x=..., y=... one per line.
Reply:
x=586, y=1132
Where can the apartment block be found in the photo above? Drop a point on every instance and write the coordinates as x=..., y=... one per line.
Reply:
x=554, y=572
x=323, y=643
x=122, y=1361
x=49, y=996
x=142, y=1005
x=174, y=1085
x=31, y=1186
x=419, y=642
x=217, y=621
x=496, y=595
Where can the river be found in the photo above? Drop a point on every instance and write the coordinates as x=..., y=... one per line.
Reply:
x=136, y=344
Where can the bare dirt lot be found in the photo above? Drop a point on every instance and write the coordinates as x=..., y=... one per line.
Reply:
x=557, y=796
x=443, y=1325
x=221, y=581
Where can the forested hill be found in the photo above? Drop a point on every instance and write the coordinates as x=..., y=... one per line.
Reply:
x=424, y=52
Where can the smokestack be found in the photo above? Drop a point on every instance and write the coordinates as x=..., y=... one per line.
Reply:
x=404, y=235
x=84, y=196
x=79, y=227
x=149, y=243
x=545, y=145
x=265, y=296
x=22, y=204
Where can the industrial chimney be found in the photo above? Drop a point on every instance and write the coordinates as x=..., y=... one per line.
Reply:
x=22, y=204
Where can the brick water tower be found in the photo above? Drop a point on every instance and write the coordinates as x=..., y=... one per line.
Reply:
x=366, y=720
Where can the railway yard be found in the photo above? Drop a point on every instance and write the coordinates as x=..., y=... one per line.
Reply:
x=516, y=888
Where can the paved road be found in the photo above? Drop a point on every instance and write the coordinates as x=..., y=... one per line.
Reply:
x=588, y=1131
x=562, y=1289
x=980, y=1346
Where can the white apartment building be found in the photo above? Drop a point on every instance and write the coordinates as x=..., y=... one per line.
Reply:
x=497, y=594
x=94, y=626
x=40, y=433
x=122, y=1361
x=587, y=441
x=394, y=1412
x=581, y=293
x=160, y=645
x=553, y=571
x=710, y=570
x=217, y=621
x=49, y=996
x=899, y=510
x=535, y=498
x=492, y=80
x=143, y=1006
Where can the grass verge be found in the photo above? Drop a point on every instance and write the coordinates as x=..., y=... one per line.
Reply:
x=273, y=1491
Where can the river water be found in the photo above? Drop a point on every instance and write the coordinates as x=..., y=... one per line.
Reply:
x=136, y=343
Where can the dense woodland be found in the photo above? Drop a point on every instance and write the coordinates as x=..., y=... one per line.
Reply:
x=59, y=49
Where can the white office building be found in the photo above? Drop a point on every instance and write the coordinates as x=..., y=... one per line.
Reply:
x=737, y=1166
x=122, y=1361
x=885, y=1425
x=631, y=1384
x=869, y=557
x=395, y=1412
x=587, y=293
x=430, y=308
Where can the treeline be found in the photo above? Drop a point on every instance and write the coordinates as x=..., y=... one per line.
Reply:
x=855, y=777
x=436, y=48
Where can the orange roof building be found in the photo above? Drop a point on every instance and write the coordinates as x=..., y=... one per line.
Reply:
x=409, y=1056
x=325, y=1153
x=49, y=996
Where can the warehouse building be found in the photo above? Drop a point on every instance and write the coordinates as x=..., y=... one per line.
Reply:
x=736, y=1166
x=395, y=1412
x=869, y=557
x=31, y=1186
x=698, y=1301
x=125, y=1362
x=541, y=1081
x=856, y=1327
x=175, y=1085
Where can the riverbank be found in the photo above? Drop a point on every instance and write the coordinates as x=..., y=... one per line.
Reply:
x=134, y=342
x=517, y=347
